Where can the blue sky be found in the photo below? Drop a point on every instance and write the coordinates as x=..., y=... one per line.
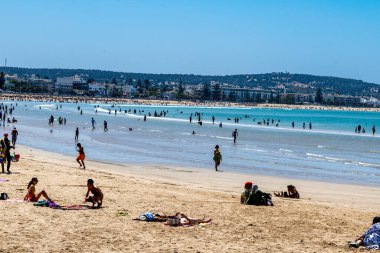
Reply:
x=322, y=37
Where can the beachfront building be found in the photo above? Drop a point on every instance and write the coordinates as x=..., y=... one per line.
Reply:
x=347, y=100
x=96, y=88
x=69, y=85
x=242, y=94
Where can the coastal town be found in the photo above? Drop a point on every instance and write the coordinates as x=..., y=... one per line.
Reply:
x=294, y=93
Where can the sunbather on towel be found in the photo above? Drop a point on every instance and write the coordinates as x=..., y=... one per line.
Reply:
x=184, y=220
x=31, y=195
x=97, y=197
x=371, y=238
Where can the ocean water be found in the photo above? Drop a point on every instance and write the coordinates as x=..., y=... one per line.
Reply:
x=331, y=151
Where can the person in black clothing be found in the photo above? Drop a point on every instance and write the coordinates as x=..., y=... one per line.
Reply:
x=235, y=135
x=105, y=126
x=77, y=134
x=8, y=147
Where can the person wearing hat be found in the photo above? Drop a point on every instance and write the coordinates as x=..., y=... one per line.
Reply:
x=8, y=147
x=14, y=136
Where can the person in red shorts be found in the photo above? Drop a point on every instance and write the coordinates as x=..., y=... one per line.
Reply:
x=81, y=156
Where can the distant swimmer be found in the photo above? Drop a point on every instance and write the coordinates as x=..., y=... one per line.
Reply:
x=190, y=119
x=220, y=124
x=130, y=129
x=81, y=156
x=359, y=128
x=193, y=132
x=93, y=123
x=105, y=126
x=303, y=125
x=76, y=134
x=310, y=126
x=144, y=117
x=235, y=135
x=213, y=119
x=293, y=124
x=373, y=130
x=217, y=157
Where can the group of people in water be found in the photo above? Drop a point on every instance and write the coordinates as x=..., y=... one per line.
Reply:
x=360, y=129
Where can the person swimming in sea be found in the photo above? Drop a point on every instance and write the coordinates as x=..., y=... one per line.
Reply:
x=81, y=156
x=97, y=197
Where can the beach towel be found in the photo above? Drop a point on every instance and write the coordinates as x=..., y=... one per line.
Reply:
x=17, y=201
x=76, y=207
x=2, y=180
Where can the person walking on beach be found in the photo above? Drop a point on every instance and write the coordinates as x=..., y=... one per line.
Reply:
x=14, y=136
x=217, y=157
x=8, y=157
x=373, y=130
x=93, y=123
x=81, y=156
x=76, y=134
x=235, y=135
x=105, y=126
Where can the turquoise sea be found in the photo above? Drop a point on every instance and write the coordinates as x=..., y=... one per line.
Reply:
x=331, y=151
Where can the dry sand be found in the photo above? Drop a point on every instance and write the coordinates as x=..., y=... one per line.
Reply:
x=322, y=221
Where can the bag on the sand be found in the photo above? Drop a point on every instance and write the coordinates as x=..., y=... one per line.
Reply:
x=148, y=216
x=4, y=196
x=259, y=198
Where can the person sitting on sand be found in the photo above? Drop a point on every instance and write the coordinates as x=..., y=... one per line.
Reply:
x=31, y=195
x=258, y=198
x=81, y=156
x=371, y=238
x=292, y=193
x=97, y=197
x=246, y=192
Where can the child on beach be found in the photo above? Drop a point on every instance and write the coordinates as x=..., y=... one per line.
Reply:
x=97, y=196
x=81, y=156
x=217, y=157
x=292, y=193
x=31, y=195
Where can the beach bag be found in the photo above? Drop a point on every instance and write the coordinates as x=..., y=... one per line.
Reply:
x=4, y=196
x=148, y=216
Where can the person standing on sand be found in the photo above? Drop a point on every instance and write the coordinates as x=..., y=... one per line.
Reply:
x=8, y=152
x=81, y=156
x=235, y=135
x=14, y=136
x=93, y=123
x=76, y=134
x=217, y=157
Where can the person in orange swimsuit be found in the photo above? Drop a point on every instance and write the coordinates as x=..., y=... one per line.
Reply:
x=31, y=195
x=81, y=156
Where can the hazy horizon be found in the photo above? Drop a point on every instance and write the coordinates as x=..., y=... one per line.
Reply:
x=323, y=38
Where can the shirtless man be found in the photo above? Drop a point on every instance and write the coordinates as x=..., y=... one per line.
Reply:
x=97, y=196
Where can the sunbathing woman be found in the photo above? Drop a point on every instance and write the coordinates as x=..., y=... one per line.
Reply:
x=371, y=238
x=97, y=197
x=31, y=195
x=184, y=220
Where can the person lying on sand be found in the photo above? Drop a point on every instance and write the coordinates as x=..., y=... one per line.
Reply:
x=154, y=217
x=31, y=195
x=97, y=197
x=292, y=193
x=371, y=238
x=181, y=219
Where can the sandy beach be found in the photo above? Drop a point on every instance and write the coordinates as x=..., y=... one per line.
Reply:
x=323, y=220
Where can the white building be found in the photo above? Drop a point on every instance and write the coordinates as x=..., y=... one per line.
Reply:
x=97, y=88
x=68, y=84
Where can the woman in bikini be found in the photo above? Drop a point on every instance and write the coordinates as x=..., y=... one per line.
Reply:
x=217, y=157
x=81, y=156
x=31, y=195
